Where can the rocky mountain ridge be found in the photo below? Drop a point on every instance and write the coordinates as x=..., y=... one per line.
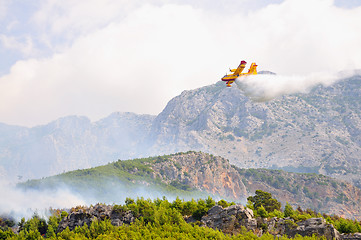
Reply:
x=315, y=132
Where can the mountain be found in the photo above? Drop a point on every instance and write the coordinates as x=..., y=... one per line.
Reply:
x=195, y=174
x=69, y=143
x=315, y=132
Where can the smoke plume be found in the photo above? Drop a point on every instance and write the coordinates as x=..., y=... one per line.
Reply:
x=18, y=203
x=265, y=87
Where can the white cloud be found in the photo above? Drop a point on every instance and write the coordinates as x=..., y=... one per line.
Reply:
x=135, y=65
x=23, y=45
x=137, y=60
x=70, y=19
x=3, y=8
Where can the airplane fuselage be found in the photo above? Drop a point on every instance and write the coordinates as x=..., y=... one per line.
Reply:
x=229, y=79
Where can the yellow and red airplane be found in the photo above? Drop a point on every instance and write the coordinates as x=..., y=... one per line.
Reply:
x=230, y=78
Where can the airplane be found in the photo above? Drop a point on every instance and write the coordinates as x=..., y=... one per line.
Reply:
x=230, y=78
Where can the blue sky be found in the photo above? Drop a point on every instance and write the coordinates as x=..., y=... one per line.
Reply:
x=95, y=57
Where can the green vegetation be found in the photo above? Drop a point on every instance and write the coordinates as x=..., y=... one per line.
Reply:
x=265, y=131
x=124, y=174
x=288, y=212
x=170, y=226
x=301, y=169
x=263, y=204
x=319, y=188
x=158, y=173
x=133, y=173
x=275, y=178
x=161, y=219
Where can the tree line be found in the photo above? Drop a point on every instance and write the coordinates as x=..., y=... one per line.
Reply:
x=163, y=219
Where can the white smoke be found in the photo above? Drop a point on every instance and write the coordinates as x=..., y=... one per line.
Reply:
x=265, y=87
x=19, y=203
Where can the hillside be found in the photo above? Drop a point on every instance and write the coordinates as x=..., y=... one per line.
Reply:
x=316, y=132
x=196, y=174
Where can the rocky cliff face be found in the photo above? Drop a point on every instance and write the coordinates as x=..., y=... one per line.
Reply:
x=313, y=132
x=203, y=172
x=216, y=176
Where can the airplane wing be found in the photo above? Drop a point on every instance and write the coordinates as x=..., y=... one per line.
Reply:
x=240, y=68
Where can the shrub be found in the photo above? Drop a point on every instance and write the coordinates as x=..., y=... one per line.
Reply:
x=288, y=212
x=264, y=199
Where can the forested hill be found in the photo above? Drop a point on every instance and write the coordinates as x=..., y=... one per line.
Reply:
x=197, y=174
x=316, y=132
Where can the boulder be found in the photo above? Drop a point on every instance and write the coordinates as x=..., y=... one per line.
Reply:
x=74, y=219
x=229, y=220
x=351, y=236
x=317, y=226
x=309, y=227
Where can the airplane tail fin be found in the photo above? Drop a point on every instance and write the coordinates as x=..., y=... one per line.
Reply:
x=253, y=69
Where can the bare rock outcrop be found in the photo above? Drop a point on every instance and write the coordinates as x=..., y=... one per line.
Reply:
x=230, y=219
x=351, y=236
x=203, y=172
x=317, y=226
x=99, y=212
x=309, y=227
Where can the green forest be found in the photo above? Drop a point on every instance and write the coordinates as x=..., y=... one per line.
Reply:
x=163, y=219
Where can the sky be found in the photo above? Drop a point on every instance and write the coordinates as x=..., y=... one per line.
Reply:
x=95, y=57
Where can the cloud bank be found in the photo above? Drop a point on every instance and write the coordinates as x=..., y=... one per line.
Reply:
x=95, y=58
